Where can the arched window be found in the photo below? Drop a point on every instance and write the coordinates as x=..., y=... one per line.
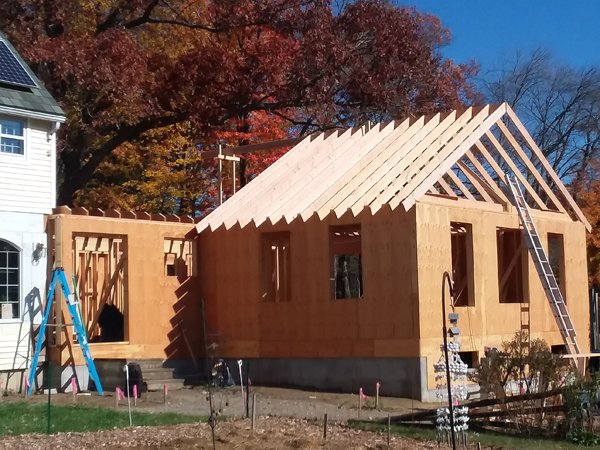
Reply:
x=9, y=281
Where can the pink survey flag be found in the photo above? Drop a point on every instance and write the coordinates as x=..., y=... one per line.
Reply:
x=120, y=394
x=361, y=393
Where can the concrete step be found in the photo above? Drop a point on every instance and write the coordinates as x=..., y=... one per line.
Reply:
x=147, y=364
x=174, y=384
x=157, y=373
x=156, y=376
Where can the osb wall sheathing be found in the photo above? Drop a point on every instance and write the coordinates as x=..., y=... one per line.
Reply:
x=489, y=322
x=311, y=324
x=160, y=309
x=404, y=255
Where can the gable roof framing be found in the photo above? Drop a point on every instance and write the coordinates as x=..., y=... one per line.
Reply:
x=462, y=154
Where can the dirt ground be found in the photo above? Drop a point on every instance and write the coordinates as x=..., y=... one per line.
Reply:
x=279, y=402
x=286, y=418
x=271, y=434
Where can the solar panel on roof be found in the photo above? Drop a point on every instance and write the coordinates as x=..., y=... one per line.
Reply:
x=11, y=70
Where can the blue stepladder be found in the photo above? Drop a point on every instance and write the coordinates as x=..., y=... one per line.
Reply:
x=58, y=277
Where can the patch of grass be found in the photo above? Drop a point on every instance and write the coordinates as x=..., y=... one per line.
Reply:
x=487, y=438
x=23, y=417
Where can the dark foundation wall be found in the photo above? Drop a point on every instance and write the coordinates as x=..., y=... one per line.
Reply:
x=400, y=377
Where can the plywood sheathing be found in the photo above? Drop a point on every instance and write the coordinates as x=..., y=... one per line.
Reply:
x=396, y=164
x=489, y=322
x=384, y=323
x=157, y=305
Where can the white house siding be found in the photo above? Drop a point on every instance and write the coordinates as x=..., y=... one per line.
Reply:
x=28, y=182
x=24, y=231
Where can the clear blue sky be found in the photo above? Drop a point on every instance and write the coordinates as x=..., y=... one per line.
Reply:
x=488, y=30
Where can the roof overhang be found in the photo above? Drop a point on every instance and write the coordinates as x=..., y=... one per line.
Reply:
x=32, y=114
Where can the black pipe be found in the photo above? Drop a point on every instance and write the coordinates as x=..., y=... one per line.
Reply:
x=447, y=277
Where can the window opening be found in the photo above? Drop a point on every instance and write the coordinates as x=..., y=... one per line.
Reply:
x=179, y=258
x=9, y=281
x=346, y=262
x=275, y=267
x=461, y=236
x=100, y=263
x=511, y=265
x=556, y=258
x=12, y=136
x=471, y=359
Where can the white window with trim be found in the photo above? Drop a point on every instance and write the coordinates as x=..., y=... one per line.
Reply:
x=12, y=135
x=10, y=281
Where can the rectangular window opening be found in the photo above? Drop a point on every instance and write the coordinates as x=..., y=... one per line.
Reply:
x=346, y=262
x=12, y=136
x=179, y=258
x=275, y=267
x=556, y=258
x=560, y=349
x=461, y=235
x=471, y=359
x=512, y=265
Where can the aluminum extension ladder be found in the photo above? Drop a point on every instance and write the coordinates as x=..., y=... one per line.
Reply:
x=58, y=277
x=555, y=297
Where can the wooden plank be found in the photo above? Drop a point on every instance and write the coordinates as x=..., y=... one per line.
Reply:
x=353, y=173
x=553, y=175
x=443, y=160
x=446, y=187
x=321, y=158
x=366, y=171
x=324, y=173
x=252, y=148
x=263, y=189
x=486, y=176
x=384, y=174
x=460, y=185
x=383, y=167
x=419, y=156
x=508, y=135
x=214, y=219
x=485, y=191
x=522, y=179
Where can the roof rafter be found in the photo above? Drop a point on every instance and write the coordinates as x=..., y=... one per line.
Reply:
x=461, y=154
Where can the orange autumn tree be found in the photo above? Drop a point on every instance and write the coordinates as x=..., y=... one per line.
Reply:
x=590, y=203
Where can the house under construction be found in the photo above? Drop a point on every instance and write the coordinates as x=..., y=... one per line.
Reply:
x=326, y=270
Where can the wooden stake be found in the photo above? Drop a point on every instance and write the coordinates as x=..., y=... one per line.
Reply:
x=253, y=411
x=479, y=446
x=359, y=404
x=325, y=427
x=389, y=431
x=165, y=393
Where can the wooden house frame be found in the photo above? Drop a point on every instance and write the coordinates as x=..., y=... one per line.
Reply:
x=378, y=214
x=139, y=267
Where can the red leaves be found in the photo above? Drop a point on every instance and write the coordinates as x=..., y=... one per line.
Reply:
x=121, y=69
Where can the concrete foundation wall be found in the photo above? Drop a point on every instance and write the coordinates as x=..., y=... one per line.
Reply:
x=400, y=377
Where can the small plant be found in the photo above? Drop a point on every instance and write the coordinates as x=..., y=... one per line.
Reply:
x=583, y=437
x=579, y=397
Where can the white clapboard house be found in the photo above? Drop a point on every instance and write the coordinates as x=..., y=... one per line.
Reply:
x=29, y=119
